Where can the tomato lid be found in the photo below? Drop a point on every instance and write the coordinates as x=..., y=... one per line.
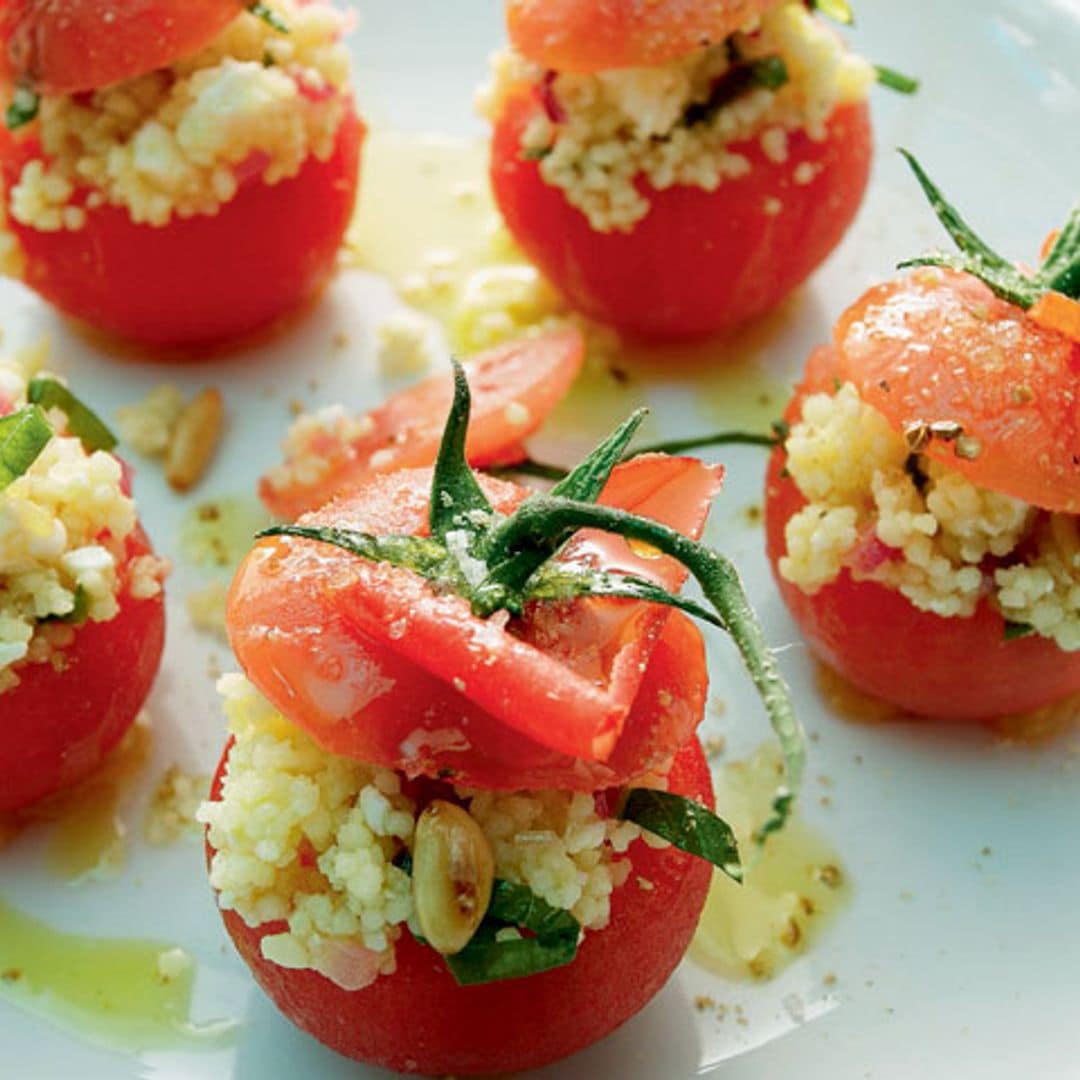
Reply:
x=81, y=45
x=937, y=347
x=594, y=35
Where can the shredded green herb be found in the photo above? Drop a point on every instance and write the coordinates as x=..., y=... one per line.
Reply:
x=769, y=72
x=1016, y=630
x=23, y=436
x=79, y=612
x=269, y=16
x=1059, y=272
x=24, y=107
x=896, y=80
x=83, y=422
x=687, y=825
x=837, y=10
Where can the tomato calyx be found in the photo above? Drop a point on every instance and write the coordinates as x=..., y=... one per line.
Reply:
x=1059, y=272
x=502, y=563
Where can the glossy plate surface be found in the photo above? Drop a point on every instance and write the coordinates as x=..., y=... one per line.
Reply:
x=958, y=954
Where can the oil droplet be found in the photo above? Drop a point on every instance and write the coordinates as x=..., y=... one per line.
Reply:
x=643, y=550
x=850, y=703
x=88, y=837
x=126, y=993
x=1041, y=726
x=219, y=533
x=792, y=888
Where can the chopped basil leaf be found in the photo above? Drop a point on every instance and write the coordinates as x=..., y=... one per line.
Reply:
x=688, y=825
x=269, y=16
x=837, y=10
x=536, y=153
x=23, y=108
x=83, y=422
x=896, y=80
x=770, y=72
x=1016, y=630
x=487, y=959
x=79, y=612
x=23, y=435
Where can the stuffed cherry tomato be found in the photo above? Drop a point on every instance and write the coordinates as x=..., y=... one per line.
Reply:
x=514, y=387
x=81, y=611
x=921, y=515
x=678, y=169
x=472, y=793
x=202, y=195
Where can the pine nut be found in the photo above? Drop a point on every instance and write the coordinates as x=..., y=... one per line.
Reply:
x=453, y=874
x=194, y=440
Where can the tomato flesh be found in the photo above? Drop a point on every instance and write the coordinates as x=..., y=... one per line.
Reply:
x=531, y=375
x=699, y=262
x=200, y=280
x=419, y=1020
x=947, y=668
x=594, y=35
x=76, y=45
x=349, y=643
x=60, y=724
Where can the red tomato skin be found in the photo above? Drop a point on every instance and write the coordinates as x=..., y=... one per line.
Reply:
x=68, y=46
x=699, y=262
x=59, y=725
x=206, y=279
x=419, y=1020
x=927, y=665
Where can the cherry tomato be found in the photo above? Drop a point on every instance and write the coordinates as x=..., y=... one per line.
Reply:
x=593, y=35
x=514, y=386
x=203, y=279
x=61, y=721
x=368, y=659
x=419, y=1020
x=699, y=262
x=951, y=668
x=77, y=45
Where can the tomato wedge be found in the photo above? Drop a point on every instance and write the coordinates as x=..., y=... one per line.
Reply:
x=339, y=647
x=514, y=386
x=77, y=45
x=419, y=1020
x=947, y=668
x=203, y=279
x=937, y=345
x=61, y=721
x=593, y=35
x=699, y=262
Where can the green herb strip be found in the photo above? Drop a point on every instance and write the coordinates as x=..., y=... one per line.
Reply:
x=24, y=107
x=484, y=959
x=837, y=10
x=769, y=72
x=268, y=16
x=23, y=436
x=1016, y=630
x=79, y=612
x=83, y=422
x=895, y=80
x=687, y=825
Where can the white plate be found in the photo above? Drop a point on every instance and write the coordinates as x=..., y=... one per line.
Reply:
x=948, y=961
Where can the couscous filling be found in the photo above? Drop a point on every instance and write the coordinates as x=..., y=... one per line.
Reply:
x=63, y=527
x=886, y=514
x=317, y=841
x=599, y=134
x=179, y=142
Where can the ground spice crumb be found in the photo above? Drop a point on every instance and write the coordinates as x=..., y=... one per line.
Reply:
x=830, y=876
x=715, y=747
x=296, y=407
x=704, y=1003
x=829, y=980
